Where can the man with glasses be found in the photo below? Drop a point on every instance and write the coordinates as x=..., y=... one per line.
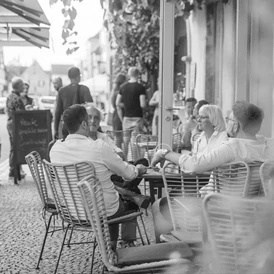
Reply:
x=243, y=124
x=68, y=96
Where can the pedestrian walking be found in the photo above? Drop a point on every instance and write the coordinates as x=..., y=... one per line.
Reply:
x=68, y=96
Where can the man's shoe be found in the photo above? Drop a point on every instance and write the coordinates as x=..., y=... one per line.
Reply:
x=142, y=201
x=125, y=244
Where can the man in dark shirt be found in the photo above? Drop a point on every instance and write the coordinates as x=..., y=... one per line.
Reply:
x=132, y=97
x=14, y=103
x=68, y=96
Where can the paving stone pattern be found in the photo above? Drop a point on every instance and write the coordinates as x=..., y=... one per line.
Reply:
x=22, y=229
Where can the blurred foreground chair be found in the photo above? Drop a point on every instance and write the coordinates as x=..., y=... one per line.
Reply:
x=34, y=162
x=140, y=259
x=184, y=194
x=240, y=233
x=63, y=182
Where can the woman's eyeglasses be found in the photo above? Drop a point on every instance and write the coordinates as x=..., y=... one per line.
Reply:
x=201, y=117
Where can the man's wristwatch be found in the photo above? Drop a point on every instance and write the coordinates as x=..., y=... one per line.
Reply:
x=164, y=152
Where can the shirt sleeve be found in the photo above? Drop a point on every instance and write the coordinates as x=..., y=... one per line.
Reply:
x=87, y=95
x=111, y=143
x=223, y=154
x=116, y=164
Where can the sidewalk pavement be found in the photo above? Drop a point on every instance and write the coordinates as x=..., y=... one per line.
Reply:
x=22, y=230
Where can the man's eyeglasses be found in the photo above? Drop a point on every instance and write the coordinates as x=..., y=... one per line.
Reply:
x=201, y=117
x=229, y=119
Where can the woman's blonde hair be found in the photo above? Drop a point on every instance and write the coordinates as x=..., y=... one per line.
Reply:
x=215, y=115
x=91, y=106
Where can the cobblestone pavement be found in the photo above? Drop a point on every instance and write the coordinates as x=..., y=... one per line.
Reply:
x=22, y=229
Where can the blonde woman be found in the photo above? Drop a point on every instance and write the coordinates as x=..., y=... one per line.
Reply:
x=211, y=122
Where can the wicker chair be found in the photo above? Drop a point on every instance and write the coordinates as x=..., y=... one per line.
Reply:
x=183, y=192
x=239, y=230
x=267, y=177
x=34, y=162
x=140, y=259
x=238, y=179
x=63, y=181
x=184, y=201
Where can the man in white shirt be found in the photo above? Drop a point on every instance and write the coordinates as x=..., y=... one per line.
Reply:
x=79, y=147
x=243, y=124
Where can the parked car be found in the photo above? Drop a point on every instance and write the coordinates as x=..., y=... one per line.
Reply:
x=3, y=101
x=46, y=102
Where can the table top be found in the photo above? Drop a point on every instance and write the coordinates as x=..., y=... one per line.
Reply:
x=151, y=173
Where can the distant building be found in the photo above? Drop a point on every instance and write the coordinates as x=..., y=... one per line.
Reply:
x=38, y=79
x=94, y=69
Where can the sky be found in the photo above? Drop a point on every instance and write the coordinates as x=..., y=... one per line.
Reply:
x=88, y=22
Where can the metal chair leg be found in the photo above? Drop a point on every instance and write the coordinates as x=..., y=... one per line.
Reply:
x=148, y=242
x=68, y=244
x=140, y=233
x=44, y=241
x=59, y=257
x=93, y=253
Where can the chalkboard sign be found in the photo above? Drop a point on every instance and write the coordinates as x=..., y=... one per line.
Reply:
x=31, y=131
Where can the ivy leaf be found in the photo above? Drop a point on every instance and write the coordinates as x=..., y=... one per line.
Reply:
x=51, y=2
x=71, y=50
x=65, y=12
x=65, y=34
x=72, y=13
x=66, y=2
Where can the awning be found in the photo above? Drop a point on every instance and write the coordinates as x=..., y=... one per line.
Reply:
x=30, y=10
x=23, y=23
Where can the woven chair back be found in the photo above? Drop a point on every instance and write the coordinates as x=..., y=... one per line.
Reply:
x=34, y=162
x=93, y=201
x=235, y=228
x=267, y=177
x=63, y=181
x=238, y=179
x=119, y=137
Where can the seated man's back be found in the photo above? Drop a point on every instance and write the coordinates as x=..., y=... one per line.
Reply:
x=77, y=148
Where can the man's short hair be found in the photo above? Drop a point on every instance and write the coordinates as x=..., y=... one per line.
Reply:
x=74, y=116
x=201, y=103
x=57, y=80
x=73, y=72
x=133, y=72
x=191, y=100
x=249, y=116
x=16, y=82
